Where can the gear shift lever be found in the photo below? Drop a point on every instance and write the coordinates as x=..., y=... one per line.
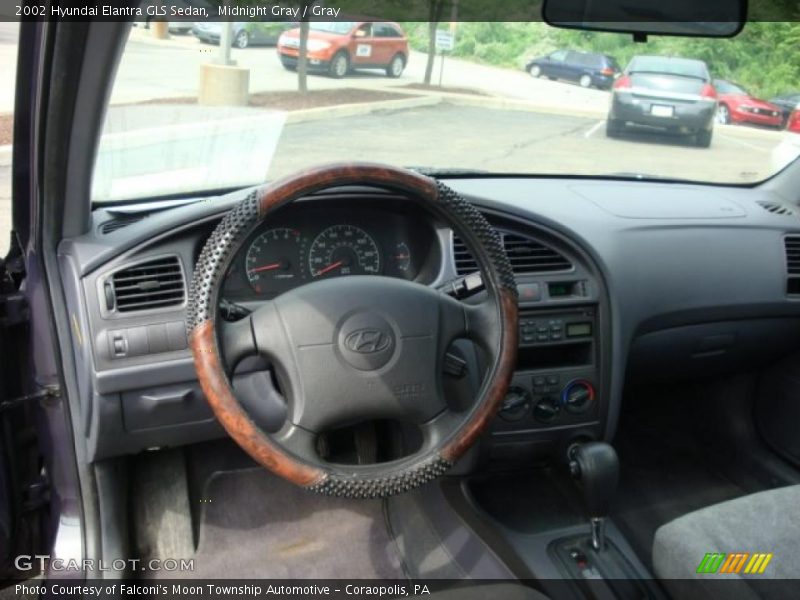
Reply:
x=594, y=465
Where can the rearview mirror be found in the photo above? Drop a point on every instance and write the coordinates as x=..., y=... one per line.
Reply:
x=707, y=18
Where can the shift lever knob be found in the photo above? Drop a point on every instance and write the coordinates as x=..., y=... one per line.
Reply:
x=595, y=466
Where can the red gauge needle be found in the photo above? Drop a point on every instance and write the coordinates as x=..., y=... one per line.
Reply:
x=269, y=267
x=330, y=267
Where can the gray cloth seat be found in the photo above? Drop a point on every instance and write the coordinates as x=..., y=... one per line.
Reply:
x=766, y=522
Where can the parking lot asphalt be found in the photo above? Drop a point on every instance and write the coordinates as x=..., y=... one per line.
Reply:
x=518, y=142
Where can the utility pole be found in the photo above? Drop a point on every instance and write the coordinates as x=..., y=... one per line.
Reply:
x=224, y=56
x=225, y=36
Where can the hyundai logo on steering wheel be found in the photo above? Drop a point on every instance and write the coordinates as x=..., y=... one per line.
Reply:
x=367, y=340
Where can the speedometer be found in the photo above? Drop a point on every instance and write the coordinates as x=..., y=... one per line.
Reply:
x=344, y=250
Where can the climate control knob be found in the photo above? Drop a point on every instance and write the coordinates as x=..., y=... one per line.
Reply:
x=516, y=404
x=577, y=396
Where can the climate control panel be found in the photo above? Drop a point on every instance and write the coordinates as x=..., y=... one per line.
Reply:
x=540, y=400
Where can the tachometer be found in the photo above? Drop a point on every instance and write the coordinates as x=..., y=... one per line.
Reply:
x=274, y=260
x=344, y=250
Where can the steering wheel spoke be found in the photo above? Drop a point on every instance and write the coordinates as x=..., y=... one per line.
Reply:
x=237, y=341
x=301, y=442
x=438, y=429
x=477, y=322
x=483, y=323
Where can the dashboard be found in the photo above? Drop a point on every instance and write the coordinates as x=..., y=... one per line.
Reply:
x=617, y=280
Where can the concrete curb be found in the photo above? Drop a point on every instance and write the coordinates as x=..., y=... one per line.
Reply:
x=5, y=156
x=522, y=105
x=497, y=103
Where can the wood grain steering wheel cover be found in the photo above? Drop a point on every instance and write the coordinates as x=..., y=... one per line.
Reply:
x=227, y=240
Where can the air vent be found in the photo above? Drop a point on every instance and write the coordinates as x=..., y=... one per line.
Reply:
x=119, y=222
x=153, y=284
x=465, y=264
x=792, y=245
x=524, y=254
x=529, y=256
x=776, y=208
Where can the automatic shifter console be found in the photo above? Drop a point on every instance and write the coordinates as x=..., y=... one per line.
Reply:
x=596, y=565
x=595, y=467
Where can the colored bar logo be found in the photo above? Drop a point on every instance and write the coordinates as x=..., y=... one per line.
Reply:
x=735, y=562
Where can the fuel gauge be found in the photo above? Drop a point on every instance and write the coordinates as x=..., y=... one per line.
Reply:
x=401, y=257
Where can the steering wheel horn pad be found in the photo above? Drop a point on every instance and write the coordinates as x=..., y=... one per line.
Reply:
x=355, y=348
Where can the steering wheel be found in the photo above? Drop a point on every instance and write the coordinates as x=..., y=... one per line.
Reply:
x=355, y=348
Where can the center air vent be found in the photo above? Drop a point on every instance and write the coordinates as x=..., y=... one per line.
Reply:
x=153, y=284
x=525, y=255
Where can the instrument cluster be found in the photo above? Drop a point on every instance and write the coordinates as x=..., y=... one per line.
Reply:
x=305, y=244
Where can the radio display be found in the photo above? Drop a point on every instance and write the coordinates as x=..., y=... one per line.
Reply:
x=579, y=329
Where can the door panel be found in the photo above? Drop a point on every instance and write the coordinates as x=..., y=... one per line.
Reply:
x=363, y=46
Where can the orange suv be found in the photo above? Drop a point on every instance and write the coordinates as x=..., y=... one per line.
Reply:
x=342, y=46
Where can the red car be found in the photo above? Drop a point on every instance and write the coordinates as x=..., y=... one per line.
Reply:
x=736, y=105
x=339, y=47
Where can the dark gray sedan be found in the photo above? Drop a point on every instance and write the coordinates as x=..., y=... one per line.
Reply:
x=255, y=33
x=668, y=94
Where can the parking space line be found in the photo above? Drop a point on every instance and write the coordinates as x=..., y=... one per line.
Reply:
x=594, y=129
x=743, y=143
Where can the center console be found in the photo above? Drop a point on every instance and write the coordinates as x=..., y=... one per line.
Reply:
x=558, y=394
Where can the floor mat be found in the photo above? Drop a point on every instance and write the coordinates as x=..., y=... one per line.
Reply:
x=661, y=478
x=256, y=525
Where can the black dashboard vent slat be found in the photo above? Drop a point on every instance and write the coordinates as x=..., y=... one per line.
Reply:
x=775, y=208
x=465, y=264
x=156, y=283
x=792, y=246
x=120, y=221
x=529, y=256
x=525, y=255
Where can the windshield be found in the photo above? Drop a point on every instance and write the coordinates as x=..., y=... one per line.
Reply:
x=726, y=87
x=192, y=114
x=670, y=66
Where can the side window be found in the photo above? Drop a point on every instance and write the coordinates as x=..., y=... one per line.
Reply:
x=365, y=31
x=384, y=30
x=559, y=56
x=8, y=50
